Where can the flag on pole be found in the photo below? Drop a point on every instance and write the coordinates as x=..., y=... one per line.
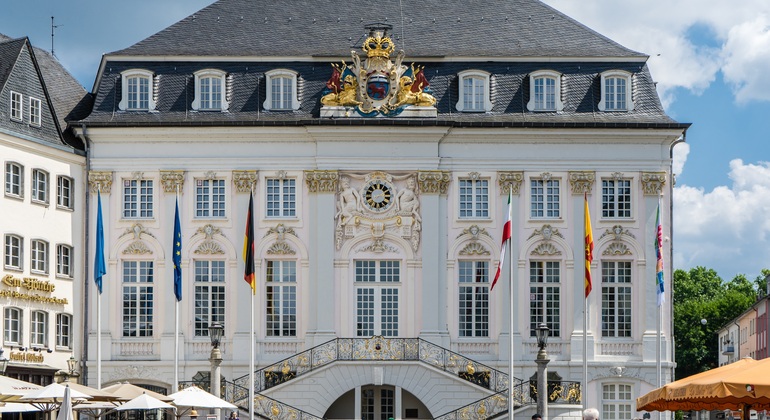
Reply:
x=100, y=268
x=589, y=248
x=176, y=257
x=506, y=237
x=659, y=265
x=248, y=248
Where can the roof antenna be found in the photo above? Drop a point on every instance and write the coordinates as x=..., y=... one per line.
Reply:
x=52, y=33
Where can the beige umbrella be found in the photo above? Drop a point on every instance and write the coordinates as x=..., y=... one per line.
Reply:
x=95, y=409
x=13, y=389
x=96, y=395
x=16, y=408
x=127, y=391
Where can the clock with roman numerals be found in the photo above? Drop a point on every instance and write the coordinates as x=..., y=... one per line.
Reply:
x=378, y=195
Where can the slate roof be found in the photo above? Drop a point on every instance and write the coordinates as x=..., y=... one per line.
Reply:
x=423, y=28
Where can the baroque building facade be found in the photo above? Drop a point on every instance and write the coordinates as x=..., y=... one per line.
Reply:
x=380, y=180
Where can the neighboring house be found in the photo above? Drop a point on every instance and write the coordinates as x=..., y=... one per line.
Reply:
x=42, y=208
x=381, y=184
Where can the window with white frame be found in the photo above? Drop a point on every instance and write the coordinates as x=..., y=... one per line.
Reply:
x=210, y=91
x=12, y=324
x=14, y=179
x=616, y=402
x=13, y=252
x=63, y=260
x=137, y=198
x=281, y=90
x=209, y=295
x=210, y=198
x=474, y=91
x=39, y=186
x=35, y=112
x=473, y=298
x=137, y=88
x=64, y=331
x=281, y=298
x=38, y=334
x=616, y=91
x=545, y=91
x=138, y=298
x=39, y=256
x=376, y=285
x=544, y=296
x=16, y=106
x=474, y=198
x=281, y=197
x=616, y=299
x=616, y=198
x=64, y=192
x=544, y=196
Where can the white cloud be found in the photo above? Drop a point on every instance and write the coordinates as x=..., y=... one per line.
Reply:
x=747, y=58
x=681, y=151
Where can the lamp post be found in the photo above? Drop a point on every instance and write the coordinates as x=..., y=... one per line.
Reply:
x=542, y=370
x=3, y=363
x=71, y=365
x=216, y=330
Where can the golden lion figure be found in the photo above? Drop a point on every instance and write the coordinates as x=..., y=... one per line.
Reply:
x=346, y=96
x=407, y=97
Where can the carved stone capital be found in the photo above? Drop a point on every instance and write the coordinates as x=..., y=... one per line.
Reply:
x=100, y=181
x=244, y=181
x=433, y=182
x=173, y=181
x=581, y=181
x=653, y=182
x=510, y=182
x=322, y=181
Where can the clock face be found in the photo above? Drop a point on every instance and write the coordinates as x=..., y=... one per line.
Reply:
x=378, y=195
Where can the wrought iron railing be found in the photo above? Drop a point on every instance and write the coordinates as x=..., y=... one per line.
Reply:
x=485, y=408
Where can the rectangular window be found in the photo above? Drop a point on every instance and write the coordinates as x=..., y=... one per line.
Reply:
x=281, y=298
x=473, y=299
x=39, y=332
x=64, y=331
x=281, y=198
x=473, y=94
x=544, y=295
x=616, y=299
x=616, y=402
x=64, y=260
x=211, y=93
x=616, y=198
x=209, y=295
x=35, y=112
x=137, y=198
x=13, y=255
x=138, y=298
x=64, y=192
x=377, y=298
x=138, y=93
x=474, y=198
x=39, y=186
x=545, y=94
x=39, y=256
x=210, y=198
x=281, y=90
x=615, y=94
x=16, y=106
x=14, y=179
x=544, y=197
x=12, y=326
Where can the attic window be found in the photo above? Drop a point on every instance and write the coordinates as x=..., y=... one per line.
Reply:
x=210, y=88
x=281, y=90
x=474, y=91
x=16, y=107
x=545, y=91
x=137, y=88
x=616, y=91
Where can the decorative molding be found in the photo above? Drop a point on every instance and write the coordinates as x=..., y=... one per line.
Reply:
x=617, y=176
x=474, y=248
x=547, y=231
x=281, y=248
x=281, y=174
x=209, y=247
x=281, y=230
x=210, y=175
x=546, y=176
x=208, y=231
x=617, y=248
x=546, y=249
x=173, y=181
x=474, y=176
x=100, y=181
x=510, y=182
x=581, y=181
x=378, y=245
x=653, y=182
x=617, y=231
x=123, y=373
x=137, y=230
x=433, y=182
x=244, y=181
x=322, y=181
x=137, y=248
x=475, y=231
x=138, y=175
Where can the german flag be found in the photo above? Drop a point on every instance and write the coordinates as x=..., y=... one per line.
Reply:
x=248, y=248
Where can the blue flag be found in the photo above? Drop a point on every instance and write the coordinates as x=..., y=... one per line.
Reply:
x=176, y=257
x=100, y=268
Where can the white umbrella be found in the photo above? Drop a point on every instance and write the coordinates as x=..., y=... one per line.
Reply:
x=144, y=402
x=12, y=389
x=95, y=409
x=49, y=398
x=65, y=410
x=196, y=397
x=16, y=408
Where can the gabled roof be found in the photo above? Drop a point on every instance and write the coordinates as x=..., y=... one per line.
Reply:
x=423, y=28
x=9, y=53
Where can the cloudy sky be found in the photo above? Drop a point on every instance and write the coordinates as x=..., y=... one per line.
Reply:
x=709, y=57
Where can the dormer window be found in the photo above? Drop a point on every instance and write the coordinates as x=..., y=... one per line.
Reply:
x=281, y=90
x=616, y=91
x=16, y=107
x=210, y=88
x=474, y=91
x=137, y=91
x=545, y=91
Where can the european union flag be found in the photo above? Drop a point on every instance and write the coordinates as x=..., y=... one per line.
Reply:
x=176, y=257
x=100, y=268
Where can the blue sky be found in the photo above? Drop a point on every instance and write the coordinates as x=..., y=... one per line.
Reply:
x=708, y=57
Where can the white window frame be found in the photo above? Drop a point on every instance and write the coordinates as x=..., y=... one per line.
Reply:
x=629, y=100
x=138, y=282
x=13, y=326
x=205, y=104
x=286, y=202
x=64, y=331
x=614, y=197
x=13, y=251
x=38, y=328
x=473, y=319
x=384, y=289
x=16, y=106
x=617, y=278
x=611, y=404
x=38, y=256
x=540, y=313
x=14, y=179
x=479, y=201
x=540, y=106
x=209, y=282
x=281, y=284
x=64, y=259
x=281, y=74
x=40, y=186
x=35, y=112
x=64, y=192
x=125, y=101
x=485, y=104
x=547, y=196
x=144, y=201
x=210, y=202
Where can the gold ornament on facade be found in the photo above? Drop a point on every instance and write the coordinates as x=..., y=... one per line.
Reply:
x=581, y=181
x=173, y=181
x=321, y=181
x=510, y=182
x=100, y=181
x=653, y=182
x=244, y=181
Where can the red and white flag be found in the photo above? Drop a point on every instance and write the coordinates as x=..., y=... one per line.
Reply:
x=506, y=237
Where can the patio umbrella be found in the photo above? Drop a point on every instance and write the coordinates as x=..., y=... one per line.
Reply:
x=65, y=410
x=194, y=397
x=129, y=391
x=144, y=402
x=16, y=408
x=50, y=397
x=96, y=394
x=13, y=389
x=95, y=409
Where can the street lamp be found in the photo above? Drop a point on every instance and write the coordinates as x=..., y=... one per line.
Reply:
x=542, y=371
x=216, y=330
x=3, y=363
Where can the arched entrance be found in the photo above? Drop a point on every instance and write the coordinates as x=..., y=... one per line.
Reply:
x=377, y=402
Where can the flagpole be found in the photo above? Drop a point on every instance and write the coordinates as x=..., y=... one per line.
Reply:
x=588, y=246
x=511, y=381
x=251, y=360
x=99, y=340
x=100, y=269
x=176, y=308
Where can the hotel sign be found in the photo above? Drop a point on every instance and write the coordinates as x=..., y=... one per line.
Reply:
x=17, y=356
x=29, y=287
